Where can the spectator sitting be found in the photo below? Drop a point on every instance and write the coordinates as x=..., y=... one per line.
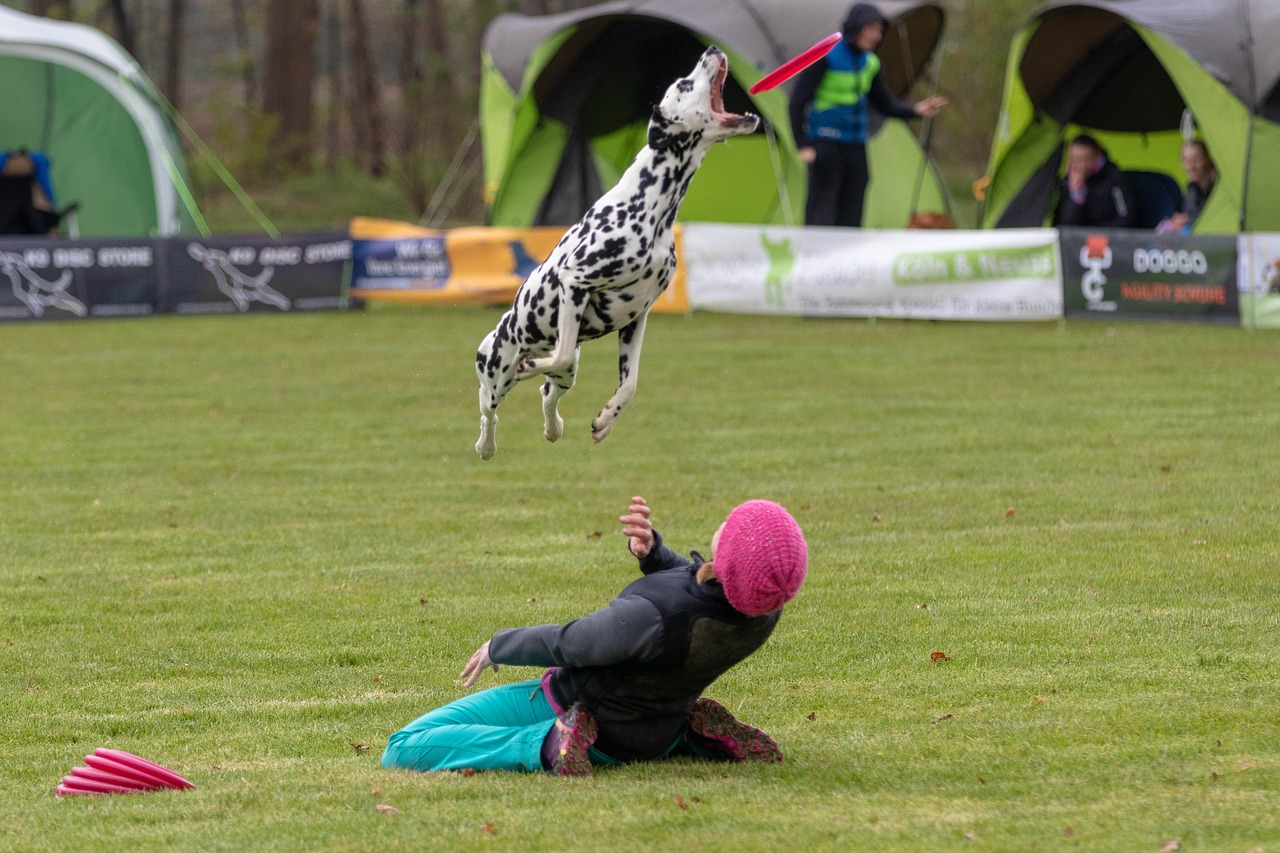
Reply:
x=1094, y=191
x=1202, y=175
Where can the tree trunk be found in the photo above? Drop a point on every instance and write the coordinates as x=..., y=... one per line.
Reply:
x=288, y=78
x=333, y=64
x=124, y=33
x=173, y=54
x=244, y=51
x=438, y=88
x=411, y=94
x=366, y=91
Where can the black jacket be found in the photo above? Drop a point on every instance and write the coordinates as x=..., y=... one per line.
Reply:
x=640, y=664
x=1108, y=203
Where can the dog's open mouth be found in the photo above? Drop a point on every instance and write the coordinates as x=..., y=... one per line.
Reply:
x=717, y=99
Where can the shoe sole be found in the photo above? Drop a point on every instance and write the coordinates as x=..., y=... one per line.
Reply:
x=573, y=759
x=710, y=719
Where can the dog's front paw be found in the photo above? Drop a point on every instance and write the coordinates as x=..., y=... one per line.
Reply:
x=527, y=367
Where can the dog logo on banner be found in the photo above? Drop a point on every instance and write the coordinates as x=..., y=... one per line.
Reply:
x=36, y=293
x=240, y=287
x=1095, y=256
x=782, y=261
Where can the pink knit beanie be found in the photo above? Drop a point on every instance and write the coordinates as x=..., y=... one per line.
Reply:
x=761, y=558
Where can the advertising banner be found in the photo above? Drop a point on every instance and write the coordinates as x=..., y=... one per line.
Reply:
x=1012, y=274
x=399, y=262
x=57, y=279
x=1259, y=277
x=1140, y=274
x=230, y=275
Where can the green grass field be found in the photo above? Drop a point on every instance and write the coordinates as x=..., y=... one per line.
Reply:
x=251, y=548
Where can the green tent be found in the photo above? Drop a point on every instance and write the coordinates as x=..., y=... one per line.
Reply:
x=1129, y=72
x=71, y=92
x=565, y=100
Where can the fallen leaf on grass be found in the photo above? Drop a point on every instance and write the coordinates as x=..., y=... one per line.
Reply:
x=813, y=715
x=981, y=781
x=945, y=717
x=681, y=803
x=877, y=517
x=922, y=607
x=386, y=809
x=32, y=687
x=422, y=602
x=1008, y=513
x=1171, y=845
x=487, y=827
x=938, y=656
x=595, y=534
x=377, y=792
x=468, y=772
x=377, y=679
x=971, y=836
x=1166, y=468
x=360, y=747
x=1068, y=833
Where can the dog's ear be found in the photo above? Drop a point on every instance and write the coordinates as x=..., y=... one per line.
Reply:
x=663, y=132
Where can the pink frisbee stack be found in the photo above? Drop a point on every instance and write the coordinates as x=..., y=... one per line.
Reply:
x=111, y=771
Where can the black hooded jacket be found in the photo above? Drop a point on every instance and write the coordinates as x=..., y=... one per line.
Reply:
x=1108, y=202
x=640, y=664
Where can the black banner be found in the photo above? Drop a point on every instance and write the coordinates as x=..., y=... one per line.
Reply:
x=53, y=278
x=229, y=275
x=1139, y=274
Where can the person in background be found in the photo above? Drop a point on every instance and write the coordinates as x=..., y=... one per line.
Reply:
x=1202, y=175
x=830, y=123
x=1094, y=191
x=625, y=682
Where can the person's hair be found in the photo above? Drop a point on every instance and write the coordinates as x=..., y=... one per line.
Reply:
x=706, y=572
x=1204, y=149
x=1088, y=142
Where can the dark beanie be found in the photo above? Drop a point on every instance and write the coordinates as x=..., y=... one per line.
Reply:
x=859, y=16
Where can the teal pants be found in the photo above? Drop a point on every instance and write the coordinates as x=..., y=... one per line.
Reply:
x=501, y=728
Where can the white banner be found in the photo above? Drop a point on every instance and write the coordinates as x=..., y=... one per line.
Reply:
x=1259, y=280
x=1013, y=274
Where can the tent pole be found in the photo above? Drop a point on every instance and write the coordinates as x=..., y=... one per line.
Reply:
x=926, y=128
x=788, y=215
x=1252, y=107
x=433, y=206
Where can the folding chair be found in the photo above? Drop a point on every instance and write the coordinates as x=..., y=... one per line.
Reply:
x=26, y=197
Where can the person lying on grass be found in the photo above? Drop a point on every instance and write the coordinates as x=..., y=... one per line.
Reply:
x=626, y=681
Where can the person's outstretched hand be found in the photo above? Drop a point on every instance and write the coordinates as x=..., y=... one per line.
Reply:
x=636, y=527
x=480, y=661
x=931, y=105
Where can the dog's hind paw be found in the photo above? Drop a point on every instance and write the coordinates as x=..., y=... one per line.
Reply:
x=486, y=447
x=601, y=427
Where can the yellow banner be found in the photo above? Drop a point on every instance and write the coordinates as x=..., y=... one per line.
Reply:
x=401, y=262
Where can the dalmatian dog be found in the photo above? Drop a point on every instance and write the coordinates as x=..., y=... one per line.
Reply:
x=607, y=271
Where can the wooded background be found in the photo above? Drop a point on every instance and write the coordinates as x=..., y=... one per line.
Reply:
x=388, y=89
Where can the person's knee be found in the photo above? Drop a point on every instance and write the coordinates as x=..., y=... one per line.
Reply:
x=391, y=755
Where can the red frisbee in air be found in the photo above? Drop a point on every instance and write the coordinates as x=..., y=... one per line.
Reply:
x=792, y=67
